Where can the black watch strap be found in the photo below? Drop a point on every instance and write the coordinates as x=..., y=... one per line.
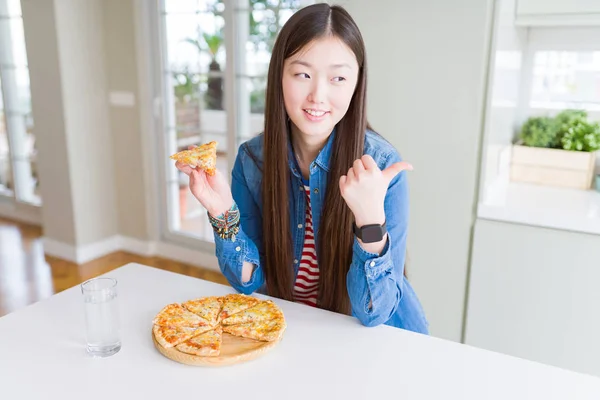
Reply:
x=370, y=233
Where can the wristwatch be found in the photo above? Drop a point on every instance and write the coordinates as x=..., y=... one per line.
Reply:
x=370, y=233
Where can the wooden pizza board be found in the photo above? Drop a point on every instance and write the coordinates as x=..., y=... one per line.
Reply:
x=234, y=350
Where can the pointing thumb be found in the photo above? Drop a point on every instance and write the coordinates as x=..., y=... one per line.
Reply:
x=390, y=172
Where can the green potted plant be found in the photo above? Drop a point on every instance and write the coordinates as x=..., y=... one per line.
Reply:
x=558, y=151
x=211, y=44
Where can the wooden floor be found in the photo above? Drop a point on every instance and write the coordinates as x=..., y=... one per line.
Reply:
x=27, y=276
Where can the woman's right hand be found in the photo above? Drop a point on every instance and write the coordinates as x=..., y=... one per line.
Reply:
x=212, y=192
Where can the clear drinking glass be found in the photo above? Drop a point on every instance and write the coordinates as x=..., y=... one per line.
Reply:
x=101, y=317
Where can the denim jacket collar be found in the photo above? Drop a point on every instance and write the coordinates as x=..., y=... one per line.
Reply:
x=322, y=160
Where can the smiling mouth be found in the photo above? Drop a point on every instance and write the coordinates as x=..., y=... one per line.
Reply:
x=315, y=113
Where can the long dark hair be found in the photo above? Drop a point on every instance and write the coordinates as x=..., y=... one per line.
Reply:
x=335, y=237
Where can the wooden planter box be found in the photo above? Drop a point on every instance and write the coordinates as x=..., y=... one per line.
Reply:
x=552, y=167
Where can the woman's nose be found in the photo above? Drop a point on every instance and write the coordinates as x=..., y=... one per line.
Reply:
x=317, y=93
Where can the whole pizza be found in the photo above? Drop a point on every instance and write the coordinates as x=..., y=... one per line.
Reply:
x=197, y=326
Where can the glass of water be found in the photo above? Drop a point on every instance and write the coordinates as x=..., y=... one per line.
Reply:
x=101, y=317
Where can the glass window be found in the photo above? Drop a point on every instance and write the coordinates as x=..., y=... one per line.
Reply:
x=195, y=70
x=18, y=172
x=566, y=79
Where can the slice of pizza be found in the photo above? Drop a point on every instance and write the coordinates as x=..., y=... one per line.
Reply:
x=169, y=336
x=207, y=344
x=263, y=311
x=175, y=315
x=207, y=308
x=204, y=156
x=266, y=331
x=235, y=303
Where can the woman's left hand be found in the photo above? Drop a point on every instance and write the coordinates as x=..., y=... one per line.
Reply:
x=364, y=188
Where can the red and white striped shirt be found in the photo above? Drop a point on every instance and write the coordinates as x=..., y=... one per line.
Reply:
x=307, y=281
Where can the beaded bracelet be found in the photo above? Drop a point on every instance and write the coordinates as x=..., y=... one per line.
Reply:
x=226, y=225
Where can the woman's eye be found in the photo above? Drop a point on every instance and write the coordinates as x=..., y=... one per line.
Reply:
x=339, y=79
x=303, y=75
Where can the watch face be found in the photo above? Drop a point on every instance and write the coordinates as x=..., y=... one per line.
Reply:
x=371, y=233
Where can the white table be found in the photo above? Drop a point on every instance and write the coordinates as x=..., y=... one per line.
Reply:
x=322, y=356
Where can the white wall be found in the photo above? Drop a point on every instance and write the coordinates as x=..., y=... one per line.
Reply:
x=65, y=48
x=122, y=77
x=58, y=218
x=84, y=84
x=427, y=71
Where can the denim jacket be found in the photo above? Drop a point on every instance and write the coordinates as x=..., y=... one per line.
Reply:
x=379, y=293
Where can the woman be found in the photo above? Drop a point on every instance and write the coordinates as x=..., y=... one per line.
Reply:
x=318, y=207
